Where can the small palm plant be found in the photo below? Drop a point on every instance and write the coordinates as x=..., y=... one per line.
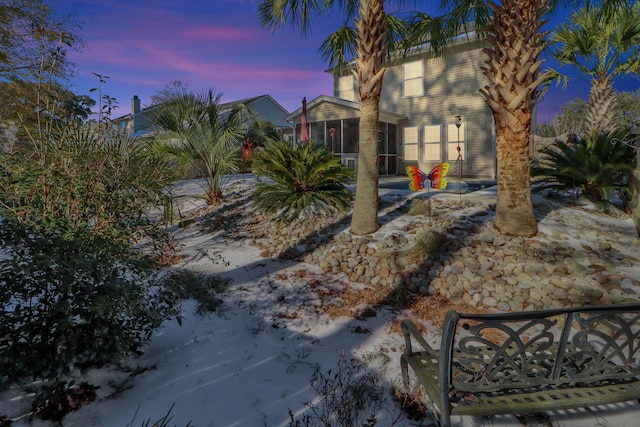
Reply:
x=195, y=129
x=594, y=167
x=301, y=180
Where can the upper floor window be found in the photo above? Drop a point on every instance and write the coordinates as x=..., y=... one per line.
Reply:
x=413, y=79
x=346, y=88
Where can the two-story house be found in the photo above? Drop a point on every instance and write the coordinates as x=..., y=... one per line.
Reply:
x=431, y=111
x=263, y=108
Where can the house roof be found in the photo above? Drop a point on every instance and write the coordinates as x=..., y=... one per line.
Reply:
x=341, y=102
x=223, y=106
x=466, y=36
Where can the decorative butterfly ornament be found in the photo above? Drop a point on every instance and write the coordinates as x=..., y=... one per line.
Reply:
x=435, y=177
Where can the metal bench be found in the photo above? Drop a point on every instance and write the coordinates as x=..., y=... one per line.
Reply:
x=527, y=362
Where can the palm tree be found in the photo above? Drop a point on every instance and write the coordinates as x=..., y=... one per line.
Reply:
x=370, y=40
x=514, y=40
x=196, y=130
x=602, y=44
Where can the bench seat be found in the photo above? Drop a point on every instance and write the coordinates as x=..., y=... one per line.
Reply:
x=538, y=361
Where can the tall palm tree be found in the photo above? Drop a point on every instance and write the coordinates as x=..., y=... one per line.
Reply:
x=602, y=44
x=514, y=40
x=196, y=130
x=370, y=39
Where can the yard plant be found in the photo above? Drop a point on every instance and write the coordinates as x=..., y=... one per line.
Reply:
x=77, y=280
x=197, y=131
x=302, y=180
x=595, y=167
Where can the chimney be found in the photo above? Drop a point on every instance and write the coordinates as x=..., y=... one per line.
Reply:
x=135, y=105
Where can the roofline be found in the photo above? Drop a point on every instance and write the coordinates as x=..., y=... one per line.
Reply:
x=341, y=102
x=419, y=49
x=222, y=106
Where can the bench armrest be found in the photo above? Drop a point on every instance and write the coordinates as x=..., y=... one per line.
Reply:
x=410, y=330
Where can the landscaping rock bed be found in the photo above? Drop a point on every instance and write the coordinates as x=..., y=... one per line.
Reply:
x=472, y=263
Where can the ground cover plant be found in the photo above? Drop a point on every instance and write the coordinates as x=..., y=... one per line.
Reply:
x=350, y=395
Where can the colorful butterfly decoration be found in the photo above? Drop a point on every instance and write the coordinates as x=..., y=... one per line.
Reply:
x=435, y=177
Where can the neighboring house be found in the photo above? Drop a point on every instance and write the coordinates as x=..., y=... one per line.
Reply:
x=421, y=99
x=263, y=108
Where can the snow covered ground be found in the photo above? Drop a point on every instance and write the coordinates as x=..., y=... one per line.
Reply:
x=251, y=363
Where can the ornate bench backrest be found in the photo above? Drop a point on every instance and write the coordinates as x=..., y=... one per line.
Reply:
x=529, y=349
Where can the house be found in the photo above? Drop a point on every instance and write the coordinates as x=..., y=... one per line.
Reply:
x=335, y=122
x=431, y=111
x=263, y=108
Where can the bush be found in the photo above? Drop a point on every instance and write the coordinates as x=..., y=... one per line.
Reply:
x=76, y=288
x=87, y=182
x=205, y=290
x=66, y=304
x=593, y=167
x=303, y=179
x=349, y=396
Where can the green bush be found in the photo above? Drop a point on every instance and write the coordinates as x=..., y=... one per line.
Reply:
x=302, y=180
x=66, y=304
x=78, y=251
x=593, y=167
x=83, y=180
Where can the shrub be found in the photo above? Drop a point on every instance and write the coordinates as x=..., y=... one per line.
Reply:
x=88, y=182
x=76, y=280
x=349, y=396
x=303, y=179
x=67, y=304
x=205, y=290
x=593, y=167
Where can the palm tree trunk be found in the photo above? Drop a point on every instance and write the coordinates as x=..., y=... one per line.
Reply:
x=601, y=108
x=514, y=207
x=370, y=30
x=513, y=67
x=365, y=210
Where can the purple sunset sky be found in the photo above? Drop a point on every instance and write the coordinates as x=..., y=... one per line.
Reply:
x=142, y=45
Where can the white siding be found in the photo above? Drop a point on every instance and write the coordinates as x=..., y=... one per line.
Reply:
x=452, y=86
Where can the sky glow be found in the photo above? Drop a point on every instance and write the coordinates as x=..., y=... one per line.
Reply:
x=143, y=45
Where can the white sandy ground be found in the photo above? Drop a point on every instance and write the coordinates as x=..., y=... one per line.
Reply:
x=251, y=364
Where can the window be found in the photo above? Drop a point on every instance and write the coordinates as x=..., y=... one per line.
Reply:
x=452, y=142
x=316, y=132
x=351, y=135
x=431, y=143
x=411, y=143
x=346, y=88
x=334, y=136
x=412, y=79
